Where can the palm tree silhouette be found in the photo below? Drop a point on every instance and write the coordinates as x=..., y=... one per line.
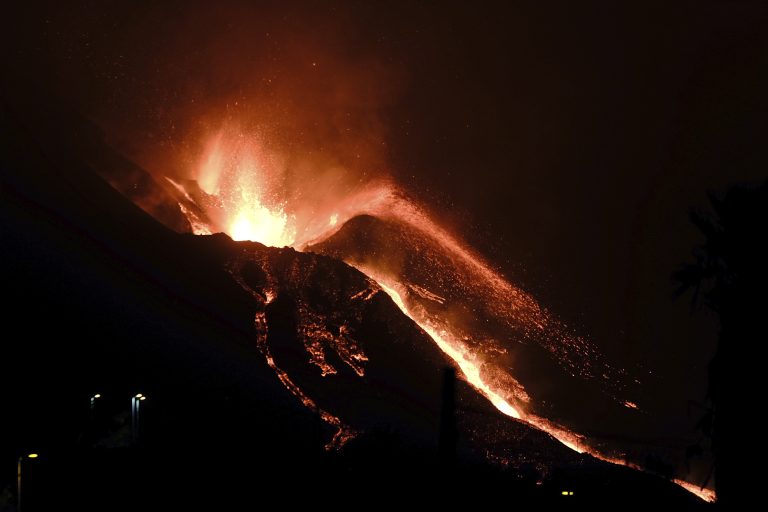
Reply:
x=729, y=275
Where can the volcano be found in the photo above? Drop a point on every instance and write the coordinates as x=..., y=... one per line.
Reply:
x=264, y=363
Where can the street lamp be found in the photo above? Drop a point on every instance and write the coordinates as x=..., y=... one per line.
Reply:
x=93, y=400
x=135, y=407
x=18, y=478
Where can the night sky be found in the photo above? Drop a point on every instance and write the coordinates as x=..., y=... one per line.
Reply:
x=565, y=141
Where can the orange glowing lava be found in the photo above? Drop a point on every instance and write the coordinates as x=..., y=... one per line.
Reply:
x=245, y=182
x=257, y=223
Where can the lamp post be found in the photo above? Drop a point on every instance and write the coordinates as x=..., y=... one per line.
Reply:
x=135, y=409
x=88, y=434
x=18, y=478
x=93, y=400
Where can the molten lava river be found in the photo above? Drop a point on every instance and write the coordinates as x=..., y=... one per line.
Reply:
x=493, y=331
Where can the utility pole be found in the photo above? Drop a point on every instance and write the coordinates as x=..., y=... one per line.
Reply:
x=448, y=431
x=18, y=485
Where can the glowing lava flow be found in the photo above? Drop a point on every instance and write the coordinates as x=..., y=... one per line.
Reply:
x=343, y=432
x=469, y=368
x=705, y=494
x=471, y=372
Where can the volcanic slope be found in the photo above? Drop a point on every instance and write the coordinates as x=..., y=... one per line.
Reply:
x=293, y=360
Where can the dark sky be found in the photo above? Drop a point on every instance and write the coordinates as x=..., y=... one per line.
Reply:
x=567, y=141
x=579, y=136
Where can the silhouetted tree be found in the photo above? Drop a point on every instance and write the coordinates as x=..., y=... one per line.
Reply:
x=729, y=276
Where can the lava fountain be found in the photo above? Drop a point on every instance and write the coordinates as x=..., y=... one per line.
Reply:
x=234, y=171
